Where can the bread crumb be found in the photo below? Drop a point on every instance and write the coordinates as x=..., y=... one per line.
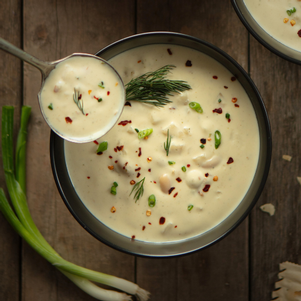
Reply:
x=268, y=208
x=287, y=158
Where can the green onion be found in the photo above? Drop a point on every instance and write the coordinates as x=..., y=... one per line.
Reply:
x=144, y=133
x=50, y=107
x=227, y=115
x=102, y=147
x=101, y=85
x=189, y=207
x=217, y=138
x=219, y=101
x=115, y=184
x=99, y=99
x=202, y=146
x=113, y=188
x=151, y=201
x=171, y=162
x=23, y=224
x=183, y=168
x=196, y=107
x=291, y=11
x=167, y=145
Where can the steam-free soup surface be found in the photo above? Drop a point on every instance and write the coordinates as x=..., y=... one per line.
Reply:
x=197, y=185
x=279, y=18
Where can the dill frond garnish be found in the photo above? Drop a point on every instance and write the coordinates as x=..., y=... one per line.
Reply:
x=154, y=88
x=167, y=144
x=139, y=188
x=78, y=100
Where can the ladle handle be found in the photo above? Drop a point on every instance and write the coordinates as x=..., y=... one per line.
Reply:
x=44, y=67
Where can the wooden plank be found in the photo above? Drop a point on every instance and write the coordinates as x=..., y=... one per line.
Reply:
x=220, y=271
x=53, y=30
x=10, y=94
x=276, y=239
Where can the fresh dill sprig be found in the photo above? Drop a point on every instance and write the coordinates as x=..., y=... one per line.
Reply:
x=154, y=88
x=167, y=144
x=78, y=100
x=139, y=188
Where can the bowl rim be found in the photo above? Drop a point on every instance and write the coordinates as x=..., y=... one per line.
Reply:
x=55, y=140
x=257, y=36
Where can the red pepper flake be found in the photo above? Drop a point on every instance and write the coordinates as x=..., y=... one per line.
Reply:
x=207, y=175
x=155, y=182
x=188, y=165
x=115, y=149
x=203, y=141
x=149, y=170
x=236, y=105
x=149, y=223
x=299, y=33
x=133, y=237
x=88, y=177
x=137, y=169
x=110, y=157
x=171, y=189
x=176, y=226
x=68, y=119
x=95, y=97
x=179, y=179
x=143, y=228
x=175, y=194
x=225, y=87
x=188, y=63
x=206, y=188
x=108, y=93
x=124, y=122
x=230, y=160
x=99, y=153
x=169, y=51
x=214, y=77
x=116, y=161
x=96, y=142
x=162, y=220
x=87, y=114
x=138, y=175
x=140, y=153
x=120, y=148
x=128, y=104
x=229, y=120
x=139, y=62
x=80, y=97
x=132, y=182
x=218, y=111
x=233, y=78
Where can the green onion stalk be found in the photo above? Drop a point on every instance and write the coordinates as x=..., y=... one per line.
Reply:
x=21, y=220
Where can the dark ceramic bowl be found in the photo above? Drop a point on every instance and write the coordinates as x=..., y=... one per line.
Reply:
x=165, y=249
x=262, y=36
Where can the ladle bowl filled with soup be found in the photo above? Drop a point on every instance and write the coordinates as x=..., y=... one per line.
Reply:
x=186, y=161
x=275, y=24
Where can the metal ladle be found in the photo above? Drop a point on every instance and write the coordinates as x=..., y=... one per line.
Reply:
x=45, y=69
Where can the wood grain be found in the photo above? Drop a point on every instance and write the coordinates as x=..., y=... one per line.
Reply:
x=10, y=94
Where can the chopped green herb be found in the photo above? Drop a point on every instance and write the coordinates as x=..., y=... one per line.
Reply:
x=171, y=162
x=137, y=130
x=144, y=133
x=115, y=184
x=189, y=207
x=227, y=115
x=101, y=85
x=113, y=190
x=196, y=107
x=99, y=99
x=183, y=168
x=102, y=147
x=139, y=190
x=50, y=107
x=151, y=201
x=291, y=11
x=217, y=138
x=219, y=100
x=202, y=146
x=168, y=141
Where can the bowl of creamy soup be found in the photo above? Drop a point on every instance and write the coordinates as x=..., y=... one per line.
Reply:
x=186, y=161
x=276, y=24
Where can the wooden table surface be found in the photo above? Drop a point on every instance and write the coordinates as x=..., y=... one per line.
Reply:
x=241, y=267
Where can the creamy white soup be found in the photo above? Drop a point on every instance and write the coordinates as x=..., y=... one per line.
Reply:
x=190, y=186
x=279, y=18
x=82, y=98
